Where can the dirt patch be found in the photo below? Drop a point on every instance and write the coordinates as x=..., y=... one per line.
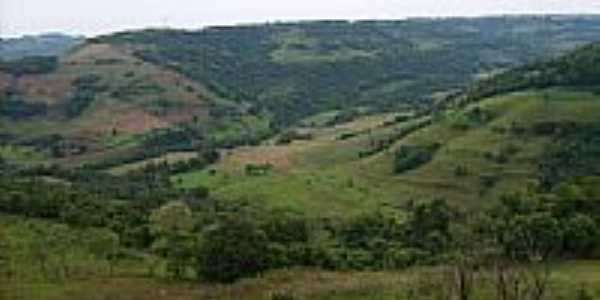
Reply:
x=278, y=157
x=49, y=88
x=5, y=80
x=125, y=119
x=99, y=54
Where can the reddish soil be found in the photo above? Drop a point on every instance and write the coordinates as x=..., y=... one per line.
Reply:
x=50, y=88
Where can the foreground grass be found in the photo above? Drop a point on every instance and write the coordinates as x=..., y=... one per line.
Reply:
x=304, y=284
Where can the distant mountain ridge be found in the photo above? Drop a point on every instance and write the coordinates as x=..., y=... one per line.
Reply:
x=51, y=44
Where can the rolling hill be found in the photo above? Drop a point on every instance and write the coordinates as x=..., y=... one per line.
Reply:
x=114, y=96
x=528, y=138
x=158, y=164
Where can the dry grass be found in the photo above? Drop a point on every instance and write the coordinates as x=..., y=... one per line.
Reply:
x=298, y=153
x=302, y=284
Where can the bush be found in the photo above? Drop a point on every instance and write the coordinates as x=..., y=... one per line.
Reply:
x=293, y=135
x=258, y=170
x=233, y=248
x=488, y=181
x=30, y=65
x=412, y=157
x=283, y=295
x=461, y=171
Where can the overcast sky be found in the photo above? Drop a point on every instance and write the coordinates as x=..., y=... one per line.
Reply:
x=90, y=17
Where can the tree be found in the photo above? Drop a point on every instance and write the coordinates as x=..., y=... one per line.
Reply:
x=172, y=224
x=4, y=254
x=581, y=234
x=428, y=227
x=104, y=244
x=233, y=248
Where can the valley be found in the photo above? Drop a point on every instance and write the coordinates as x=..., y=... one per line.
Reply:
x=450, y=158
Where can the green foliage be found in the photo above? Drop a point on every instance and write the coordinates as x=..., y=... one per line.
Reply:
x=295, y=70
x=461, y=171
x=258, y=170
x=173, y=224
x=411, y=157
x=87, y=87
x=232, y=248
x=577, y=68
x=289, y=136
x=30, y=65
x=16, y=109
x=575, y=155
x=4, y=254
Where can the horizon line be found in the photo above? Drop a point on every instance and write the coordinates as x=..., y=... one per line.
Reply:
x=289, y=21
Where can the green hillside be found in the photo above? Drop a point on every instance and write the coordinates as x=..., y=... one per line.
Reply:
x=136, y=96
x=538, y=133
x=298, y=69
x=487, y=149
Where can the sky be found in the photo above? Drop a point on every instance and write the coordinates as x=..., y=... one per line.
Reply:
x=93, y=17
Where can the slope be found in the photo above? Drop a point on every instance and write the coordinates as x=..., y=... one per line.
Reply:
x=470, y=154
x=293, y=70
x=98, y=100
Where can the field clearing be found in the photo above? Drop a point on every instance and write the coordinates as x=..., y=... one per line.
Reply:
x=298, y=153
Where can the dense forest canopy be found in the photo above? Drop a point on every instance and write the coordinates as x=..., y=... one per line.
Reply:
x=296, y=69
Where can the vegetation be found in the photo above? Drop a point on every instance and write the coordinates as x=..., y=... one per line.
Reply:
x=295, y=70
x=29, y=65
x=489, y=193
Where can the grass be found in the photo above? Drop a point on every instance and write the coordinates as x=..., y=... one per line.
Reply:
x=21, y=154
x=298, y=47
x=325, y=175
x=304, y=284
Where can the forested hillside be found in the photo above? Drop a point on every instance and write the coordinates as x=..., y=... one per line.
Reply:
x=580, y=68
x=294, y=70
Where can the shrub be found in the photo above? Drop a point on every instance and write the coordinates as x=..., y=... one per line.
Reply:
x=412, y=157
x=258, y=170
x=283, y=295
x=233, y=248
x=30, y=65
x=488, y=180
x=461, y=171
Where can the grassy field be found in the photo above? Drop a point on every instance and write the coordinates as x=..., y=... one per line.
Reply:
x=131, y=279
x=325, y=174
